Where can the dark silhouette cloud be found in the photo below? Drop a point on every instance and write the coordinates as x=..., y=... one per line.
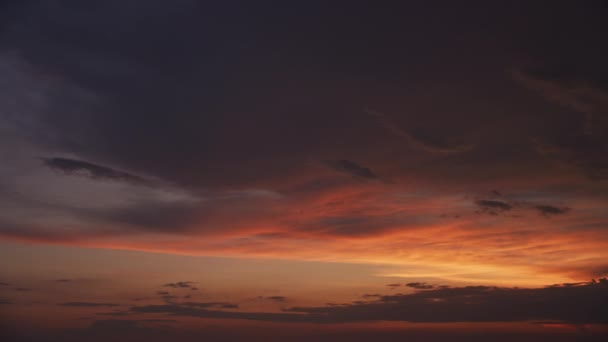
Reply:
x=181, y=284
x=203, y=305
x=549, y=210
x=278, y=299
x=572, y=304
x=83, y=168
x=578, y=303
x=393, y=285
x=63, y=280
x=420, y=286
x=351, y=168
x=89, y=304
x=371, y=295
x=493, y=207
x=115, y=313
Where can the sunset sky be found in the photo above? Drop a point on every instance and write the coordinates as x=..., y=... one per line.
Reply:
x=303, y=170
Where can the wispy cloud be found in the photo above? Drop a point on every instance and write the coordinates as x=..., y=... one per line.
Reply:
x=413, y=141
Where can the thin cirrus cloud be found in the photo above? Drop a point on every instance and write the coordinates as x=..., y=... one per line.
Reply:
x=413, y=141
x=79, y=167
x=351, y=168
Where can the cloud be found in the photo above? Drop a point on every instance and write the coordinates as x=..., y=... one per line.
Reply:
x=278, y=299
x=420, y=286
x=549, y=210
x=351, y=168
x=572, y=304
x=586, y=93
x=393, y=285
x=115, y=313
x=63, y=280
x=203, y=305
x=580, y=152
x=371, y=295
x=575, y=304
x=566, y=87
x=180, y=284
x=88, y=304
x=22, y=289
x=181, y=310
x=493, y=207
x=94, y=171
x=415, y=142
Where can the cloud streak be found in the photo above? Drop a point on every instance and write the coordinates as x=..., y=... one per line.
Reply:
x=413, y=141
x=94, y=171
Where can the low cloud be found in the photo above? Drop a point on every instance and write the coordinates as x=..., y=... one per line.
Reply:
x=217, y=305
x=89, y=304
x=493, y=207
x=549, y=210
x=420, y=286
x=278, y=299
x=572, y=304
x=180, y=285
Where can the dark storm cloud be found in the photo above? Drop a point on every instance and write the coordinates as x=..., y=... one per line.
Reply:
x=82, y=168
x=420, y=286
x=549, y=210
x=351, y=168
x=88, y=304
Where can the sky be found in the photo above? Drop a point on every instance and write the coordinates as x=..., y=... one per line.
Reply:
x=303, y=170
